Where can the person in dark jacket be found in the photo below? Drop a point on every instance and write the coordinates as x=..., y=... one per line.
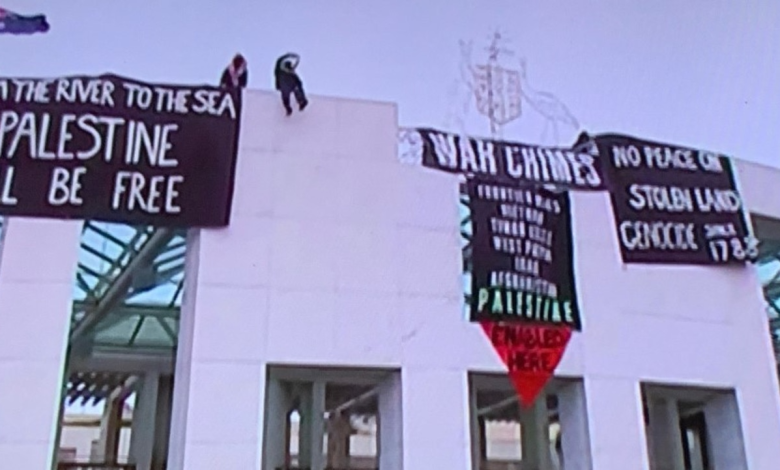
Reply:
x=235, y=74
x=288, y=82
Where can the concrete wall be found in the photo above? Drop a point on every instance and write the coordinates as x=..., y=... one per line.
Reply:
x=339, y=255
x=36, y=295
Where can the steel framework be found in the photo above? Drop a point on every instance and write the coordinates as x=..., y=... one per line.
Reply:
x=127, y=302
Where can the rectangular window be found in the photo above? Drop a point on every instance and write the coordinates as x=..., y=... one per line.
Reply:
x=506, y=436
x=326, y=418
x=693, y=428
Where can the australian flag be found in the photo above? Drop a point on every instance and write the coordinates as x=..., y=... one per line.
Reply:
x=12, y=23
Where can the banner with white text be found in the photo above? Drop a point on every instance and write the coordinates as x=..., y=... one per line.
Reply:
x=675, y=205
x=577, y=168
x=523, y=263
x=115, y=149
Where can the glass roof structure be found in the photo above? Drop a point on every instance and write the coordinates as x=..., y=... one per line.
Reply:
x=146, y=312
x=768, y=268
x=767, y=230
x=126, y=301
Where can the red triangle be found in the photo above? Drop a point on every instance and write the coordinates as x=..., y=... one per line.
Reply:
x=531, y=352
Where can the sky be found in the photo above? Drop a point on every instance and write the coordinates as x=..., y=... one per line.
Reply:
x=704, y=73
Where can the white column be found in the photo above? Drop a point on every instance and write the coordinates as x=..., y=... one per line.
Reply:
x=697, y=462
x=435, y=418
x=183, y=369
x=391, y=425
x=339, y=432
x=575, y=442
x=312, y=427
x=142, y=436
x=477, y=434
x=615, y=424
x=107, y=446
x=277, y=405
x=726, y=441
x=663, y=434
x=162, y=426
x=535, y=436
x=37, y=272
x=304, y=431
x=219, y=384
x=317, y=425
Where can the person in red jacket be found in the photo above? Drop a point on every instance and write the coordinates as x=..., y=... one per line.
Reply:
x=235, y=74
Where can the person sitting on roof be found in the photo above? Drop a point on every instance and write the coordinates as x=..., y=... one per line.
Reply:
x=288, y=81
x=235, y=74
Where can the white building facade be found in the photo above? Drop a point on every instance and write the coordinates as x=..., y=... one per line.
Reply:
x=342, y=266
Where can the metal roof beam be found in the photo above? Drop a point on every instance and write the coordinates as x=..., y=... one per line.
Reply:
x=772, y=291
x=129, y=310
x=497, y=406
x=356, y=401
x=118, y=289
x=125, y=391
x=122, y=362
x=128, y=249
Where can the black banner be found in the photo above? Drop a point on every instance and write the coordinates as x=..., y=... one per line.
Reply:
x=522, y=255
x=513, y=163
x=675, y=205
x=115, y=149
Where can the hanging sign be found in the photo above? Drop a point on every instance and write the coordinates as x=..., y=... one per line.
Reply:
x=530, y=352
x=675, y=205
x=512, y=163
x=522, y=263
x=115, y=149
